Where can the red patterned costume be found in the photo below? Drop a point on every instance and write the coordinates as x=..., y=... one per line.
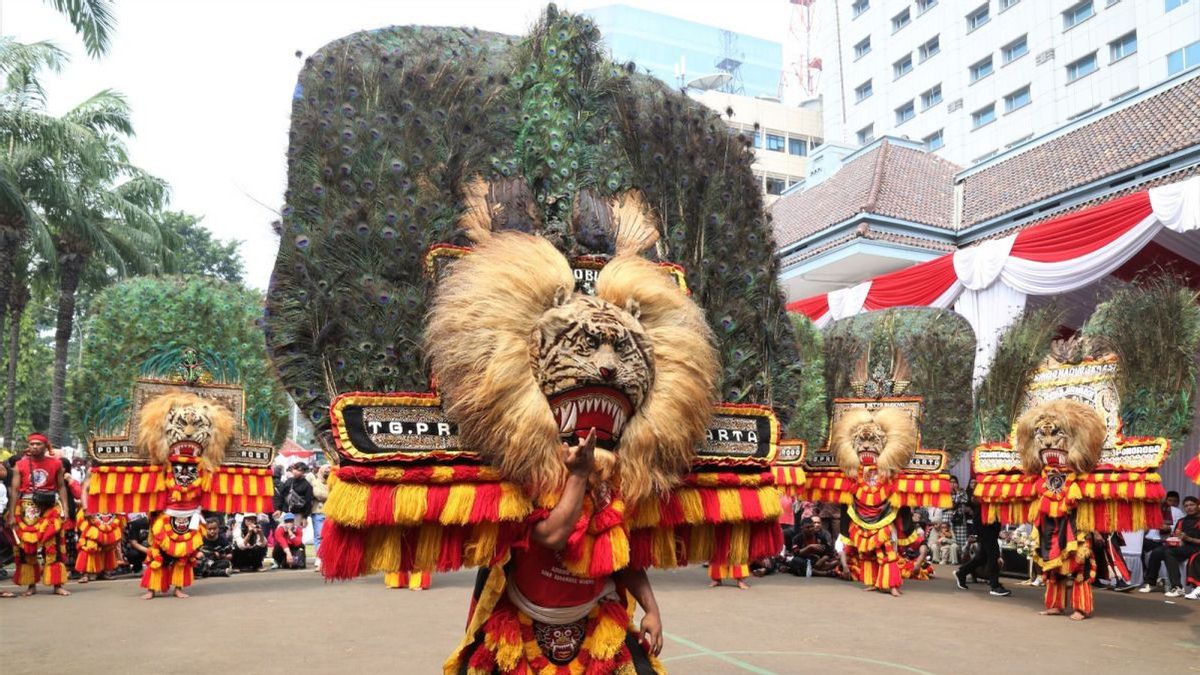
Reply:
x=1069, y=471
x=99, y=541
x=37, y=500
x=874, y=467
x=182, y=453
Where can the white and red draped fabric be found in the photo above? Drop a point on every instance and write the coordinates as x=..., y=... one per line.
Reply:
x=988, y=283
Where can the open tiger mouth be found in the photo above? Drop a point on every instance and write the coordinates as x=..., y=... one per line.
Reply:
x=186, y=448
x=605, y=409
x=868, y=457
x=1054, y=457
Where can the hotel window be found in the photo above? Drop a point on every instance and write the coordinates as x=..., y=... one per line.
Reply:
x=1015, y=49
x=931, y=47
x=776, y=186
x=1077, y=14
x=798, y=147
x=775, y=143
x=925, y=5
x=862, y=91
x=981, y=69
x=1182, y=59
x=862, y=48
x=860, y=6
x=977, y=18
x=1081, y=67
x=934, y=141
x=1005, y=4
x=1172, y=4
x=866, y=134
x=931, y=97
x=905, y=113
x=1122, y=46
x=901, y=20
x=1016, y=100
x=754, y=136
x=983, y=116
x=902, y=67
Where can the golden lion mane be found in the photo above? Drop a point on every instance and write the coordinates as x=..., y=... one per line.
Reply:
x=152, y=440
x=1083, y=426
x=479, y=341
x=900, y=444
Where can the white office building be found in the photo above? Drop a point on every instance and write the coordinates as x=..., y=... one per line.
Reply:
x=970, y=79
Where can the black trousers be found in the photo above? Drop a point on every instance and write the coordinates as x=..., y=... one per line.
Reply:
x=986, y=560
x=1173, y=556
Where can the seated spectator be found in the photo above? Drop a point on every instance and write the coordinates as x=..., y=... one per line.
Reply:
x=249, y=544
x=216, y=553
x=287, y=547
x=1182, y=544
x=945, y=545
x=812, y=551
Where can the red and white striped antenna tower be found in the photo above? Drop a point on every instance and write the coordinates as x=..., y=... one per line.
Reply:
x=805, y=68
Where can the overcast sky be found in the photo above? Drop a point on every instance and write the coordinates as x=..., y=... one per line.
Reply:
x=210, y=83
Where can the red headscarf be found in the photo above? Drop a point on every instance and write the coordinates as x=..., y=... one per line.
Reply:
x=39, y=437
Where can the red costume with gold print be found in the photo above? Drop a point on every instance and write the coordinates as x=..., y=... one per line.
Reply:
x=173, y=544
x=39, y=551
x=99, y=541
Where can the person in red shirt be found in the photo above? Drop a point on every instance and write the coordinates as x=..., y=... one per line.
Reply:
x=287, y=544
x=35, y=513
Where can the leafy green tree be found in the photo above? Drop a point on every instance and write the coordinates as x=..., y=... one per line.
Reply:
x=132, y=321
x=200, y=253
x=27, y=391
x=810, y=420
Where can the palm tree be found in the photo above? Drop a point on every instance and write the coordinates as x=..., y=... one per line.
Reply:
x=70, y=196
x=93, y=21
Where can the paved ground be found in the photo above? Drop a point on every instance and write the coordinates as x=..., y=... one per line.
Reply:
x=782, y=625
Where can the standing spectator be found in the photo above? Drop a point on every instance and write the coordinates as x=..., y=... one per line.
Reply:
x=287, y=549
x=1183, y=543
x=249, y=544
x=320, y=489
x=295, y=495
x=985, y=560
x=831, y=518
x=958, y=513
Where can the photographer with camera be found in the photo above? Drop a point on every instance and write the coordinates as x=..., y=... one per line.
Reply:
x=249, y=544
x=36, y=515
x=287, y=547
x=216, y=553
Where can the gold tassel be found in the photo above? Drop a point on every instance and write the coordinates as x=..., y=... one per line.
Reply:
x=458, y=504
x=410, y=504
x=347, y=504
x=429, y=546
x=690, y=504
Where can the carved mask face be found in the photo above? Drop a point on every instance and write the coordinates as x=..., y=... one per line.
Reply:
x=185, y=473
x=180, y=524
x=869, y=440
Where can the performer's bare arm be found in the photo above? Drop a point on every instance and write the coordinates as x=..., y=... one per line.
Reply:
x=555, y=529
x=639, y=585
x=13, y=496
x=62, y=492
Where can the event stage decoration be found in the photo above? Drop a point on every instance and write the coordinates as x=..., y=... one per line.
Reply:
x=493, y=246
x=1069, y=470
x=183, y=448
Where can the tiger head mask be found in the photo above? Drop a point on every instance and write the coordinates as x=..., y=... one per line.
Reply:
x=885, y=439
x=524, y=363
x=184, y=425
x=1062, y=435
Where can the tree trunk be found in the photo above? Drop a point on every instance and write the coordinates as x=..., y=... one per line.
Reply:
x=16, y=309
x=70, y=270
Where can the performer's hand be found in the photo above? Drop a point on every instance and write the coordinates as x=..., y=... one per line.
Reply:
x=652, y=635
x=580, y=459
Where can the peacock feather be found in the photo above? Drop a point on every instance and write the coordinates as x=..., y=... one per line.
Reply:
x=393, y=128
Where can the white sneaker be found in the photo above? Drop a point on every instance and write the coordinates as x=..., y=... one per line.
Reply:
x=1174, y=592
x=1145, y=589
x=1194, y=595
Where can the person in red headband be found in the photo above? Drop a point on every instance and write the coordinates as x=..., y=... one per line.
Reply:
x=35, y=515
